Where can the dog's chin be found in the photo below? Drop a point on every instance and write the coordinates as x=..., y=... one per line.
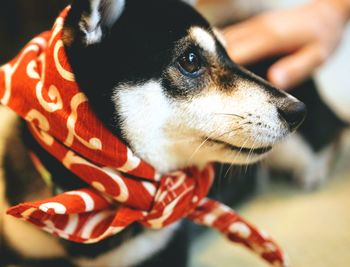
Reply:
x=245, y=156
x=180, y=157
x=256, y=150
x=226, y=152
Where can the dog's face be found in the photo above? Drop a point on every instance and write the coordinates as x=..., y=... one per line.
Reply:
x=156, y=74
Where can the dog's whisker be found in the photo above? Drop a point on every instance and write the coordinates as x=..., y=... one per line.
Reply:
x=183, y=140
x=228, y=132
x=232, y=172
x=249, y=154
x=210, y=136
x=201, y=145
x=239, y=127
x=230, y=114
x=228, y=170
x=251, y=149
x=198, y=148
x=238, y=153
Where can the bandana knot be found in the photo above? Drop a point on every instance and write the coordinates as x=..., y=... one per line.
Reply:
x=178, y=190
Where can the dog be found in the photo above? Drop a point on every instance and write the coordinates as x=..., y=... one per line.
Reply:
x=158, y=77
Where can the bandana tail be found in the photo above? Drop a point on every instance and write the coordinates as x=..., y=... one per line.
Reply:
x=213, y=214
x=82, y=216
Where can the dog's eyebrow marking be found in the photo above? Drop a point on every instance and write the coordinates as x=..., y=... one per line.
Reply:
x=204, y=39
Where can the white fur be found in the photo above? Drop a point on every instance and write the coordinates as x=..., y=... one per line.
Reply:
x=145, y=110
x=90, y=24
x=134, y=251
x=170, y=134
x=204, y=39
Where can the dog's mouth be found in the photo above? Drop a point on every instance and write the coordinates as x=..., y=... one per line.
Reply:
x=243, y=150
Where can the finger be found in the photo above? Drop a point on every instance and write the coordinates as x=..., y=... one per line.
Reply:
x=254, y=48
x=240, y=30
x=252, y=41
x=293, y=69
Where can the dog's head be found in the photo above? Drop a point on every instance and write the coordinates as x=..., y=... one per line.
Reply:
x=158, y=75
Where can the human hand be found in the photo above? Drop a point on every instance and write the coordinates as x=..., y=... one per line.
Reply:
x=305, y=37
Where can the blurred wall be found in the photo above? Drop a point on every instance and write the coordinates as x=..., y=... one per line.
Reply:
x=20, y=20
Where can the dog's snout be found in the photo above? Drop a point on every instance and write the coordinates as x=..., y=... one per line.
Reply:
x=293, y=113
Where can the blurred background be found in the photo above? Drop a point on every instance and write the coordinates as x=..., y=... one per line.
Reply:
x=312, y=225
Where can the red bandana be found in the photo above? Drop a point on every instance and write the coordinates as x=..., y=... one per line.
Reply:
x=40, y=87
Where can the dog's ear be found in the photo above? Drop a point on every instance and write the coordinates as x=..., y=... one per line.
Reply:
x=191, y=2
x=90, y=18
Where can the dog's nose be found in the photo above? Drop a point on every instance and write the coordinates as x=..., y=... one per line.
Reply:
x=293, y=113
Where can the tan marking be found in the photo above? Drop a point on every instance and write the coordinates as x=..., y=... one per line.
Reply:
x=68, y=36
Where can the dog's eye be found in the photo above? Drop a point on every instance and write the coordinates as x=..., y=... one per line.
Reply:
x=190, y=64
